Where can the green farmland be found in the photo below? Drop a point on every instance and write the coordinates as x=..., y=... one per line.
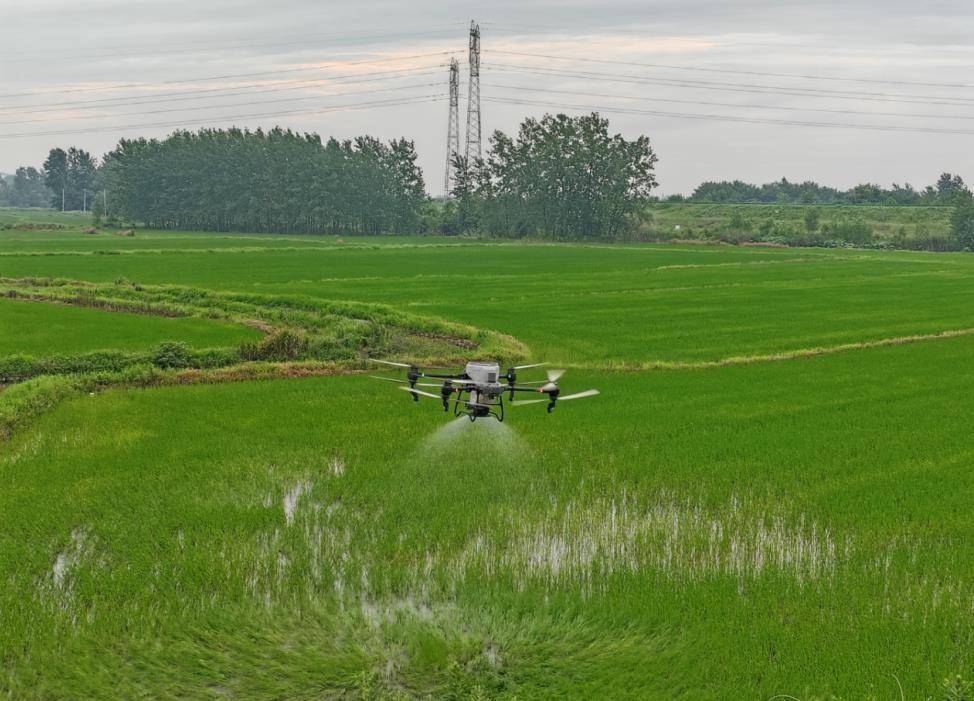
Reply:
x=47, y=329
x=772, y=496
x=904, y=227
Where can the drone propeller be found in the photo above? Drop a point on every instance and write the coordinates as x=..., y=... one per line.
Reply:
x=389, y=362
x=406, y=382
x=420, y=393
x=511, y=376
x=553, y=377
x=526, y=402
x=577, y=395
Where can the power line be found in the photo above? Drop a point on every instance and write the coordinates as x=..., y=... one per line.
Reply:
x=207, y=93
x=730, y=87
x=423, y=99
x=732, y=118
x=193, y=47
x=235, y=104
x=183, y=81
x=875, y=81
x=731, y=104
x=796, y=90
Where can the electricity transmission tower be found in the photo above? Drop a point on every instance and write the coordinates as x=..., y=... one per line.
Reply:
x=453, y=125
x=473, y=97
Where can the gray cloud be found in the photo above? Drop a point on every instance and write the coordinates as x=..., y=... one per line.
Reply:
x=57, y=45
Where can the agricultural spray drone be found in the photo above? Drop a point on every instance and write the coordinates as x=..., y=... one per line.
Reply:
x=478, y=390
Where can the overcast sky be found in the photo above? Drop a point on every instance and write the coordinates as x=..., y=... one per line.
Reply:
x=692, y=75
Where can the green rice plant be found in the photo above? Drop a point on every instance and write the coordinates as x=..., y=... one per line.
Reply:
x=769, y=499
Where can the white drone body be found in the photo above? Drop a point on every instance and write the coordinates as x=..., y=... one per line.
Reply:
x=484, y=375
x=478, y=390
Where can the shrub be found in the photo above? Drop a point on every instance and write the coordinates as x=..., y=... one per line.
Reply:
x=850, y=231
x=28, y=399
x=17, y=368
x=811, y=219
x=962, y=221
x=280, y=346
x=172, y=354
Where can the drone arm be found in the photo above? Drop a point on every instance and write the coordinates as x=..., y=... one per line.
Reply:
x=511, y=389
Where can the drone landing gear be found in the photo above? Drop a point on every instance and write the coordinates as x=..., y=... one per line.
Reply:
x=480, y=409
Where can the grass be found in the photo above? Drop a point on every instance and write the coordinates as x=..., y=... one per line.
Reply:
x=645, y=302
x=706, y=531
x=710, y=542
x=17, y=216
x=911, y=227
x=39, y=329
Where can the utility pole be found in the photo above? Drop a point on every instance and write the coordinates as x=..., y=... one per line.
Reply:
x=473, y=97
x=84, y=206
x=452, y=125
x=62, y=198
x=104, y=199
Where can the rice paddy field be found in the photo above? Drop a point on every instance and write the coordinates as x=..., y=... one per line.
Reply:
x=918, y=227
x=771, y=498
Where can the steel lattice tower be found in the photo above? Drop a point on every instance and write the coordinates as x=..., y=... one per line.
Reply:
x=453, y=125
x=473, y=98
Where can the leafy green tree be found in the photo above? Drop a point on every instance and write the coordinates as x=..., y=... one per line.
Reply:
x=28, y=189
x=949, y=185
x=274, y=181
x=56, y=177
x=466, y=194
x=80, y=178
x=811, y=219
x=785, y=192
x=962, y=220
x=561, y=176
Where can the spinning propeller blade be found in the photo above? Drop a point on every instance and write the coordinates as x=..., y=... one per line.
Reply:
x=553, y=377
x=579, y=395
x=420, y=392
x=388, y=379
x=525, y=367
x=389, y=362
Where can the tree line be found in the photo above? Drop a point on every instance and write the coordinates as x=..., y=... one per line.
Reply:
x=267, y=181
x=942, y=192
x=68, y=180
x=559, y=177
x=25, y=188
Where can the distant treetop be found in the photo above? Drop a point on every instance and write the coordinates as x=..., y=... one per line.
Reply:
x=808, y=192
